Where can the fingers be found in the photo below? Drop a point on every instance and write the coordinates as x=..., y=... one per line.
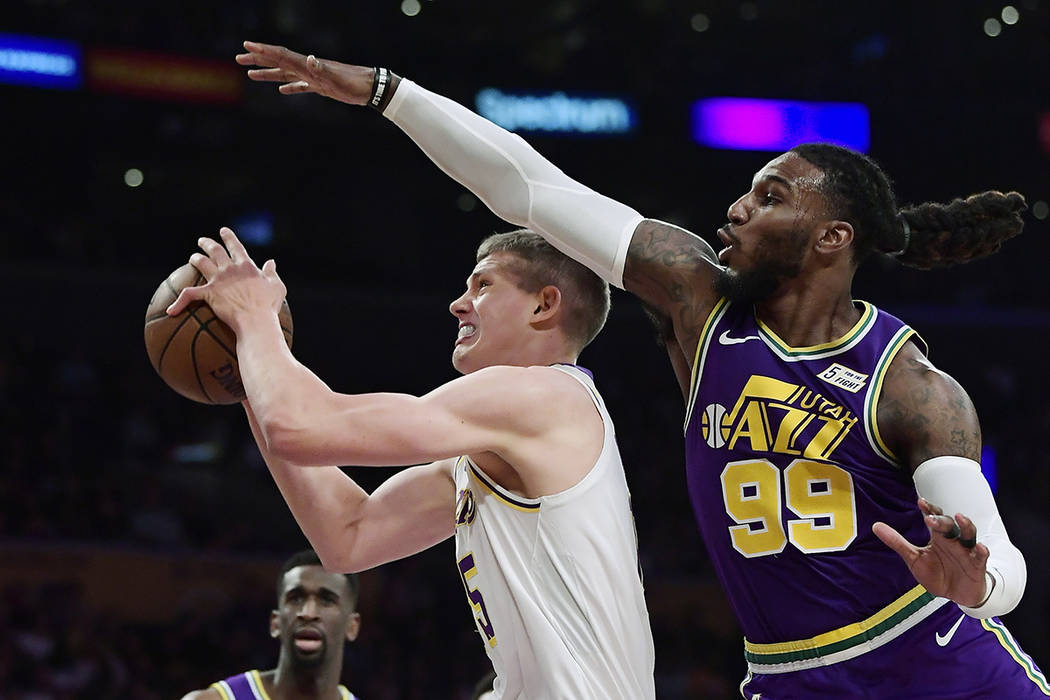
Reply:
x=205, y=265
x=215, y=252
x=185, y=298
x=944, y=525
x=234, y=245
x=895, y=541
x=967, y=531
x=928, y=508
x=299, y=86
x=274, y=75
x=271, y=55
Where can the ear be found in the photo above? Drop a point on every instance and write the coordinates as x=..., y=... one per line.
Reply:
x=548, y=304
x=275, y=627
x=836, y=235
x=353, y=626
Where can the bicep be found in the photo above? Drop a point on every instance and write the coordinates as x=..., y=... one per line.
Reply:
x=479, y=412
x=925, y=413
x=411, y=511
x=673, y=271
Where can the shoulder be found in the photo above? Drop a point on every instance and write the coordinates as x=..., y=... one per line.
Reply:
x=530, y=400
x=924, y=412
x=673, y=270
x=206, y=694
x=525, y=385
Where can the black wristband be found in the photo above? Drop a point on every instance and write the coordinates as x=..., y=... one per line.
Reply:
x=379, y=86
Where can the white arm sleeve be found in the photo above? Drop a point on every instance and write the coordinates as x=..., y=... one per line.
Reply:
x=956, y=485
x=515, y=181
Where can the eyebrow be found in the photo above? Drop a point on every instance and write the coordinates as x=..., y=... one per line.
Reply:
x=777, y=179
x=301, y=589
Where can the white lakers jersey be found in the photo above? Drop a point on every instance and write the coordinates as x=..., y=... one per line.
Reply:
x=554, y=582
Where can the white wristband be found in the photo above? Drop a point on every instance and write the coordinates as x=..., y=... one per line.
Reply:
x=956, y=485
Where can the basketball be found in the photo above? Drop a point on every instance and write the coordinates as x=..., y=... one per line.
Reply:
x=194, y=352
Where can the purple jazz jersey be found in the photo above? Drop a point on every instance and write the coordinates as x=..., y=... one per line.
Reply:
x=787, y=472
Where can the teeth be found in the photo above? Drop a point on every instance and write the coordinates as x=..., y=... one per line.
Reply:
x=465, y=331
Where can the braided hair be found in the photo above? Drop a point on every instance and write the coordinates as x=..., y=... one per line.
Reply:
x=925, y=236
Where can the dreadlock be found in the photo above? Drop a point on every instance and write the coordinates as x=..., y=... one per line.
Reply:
x=925, y=236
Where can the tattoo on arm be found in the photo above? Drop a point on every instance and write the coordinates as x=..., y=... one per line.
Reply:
x=673, y=271
x=924, y=413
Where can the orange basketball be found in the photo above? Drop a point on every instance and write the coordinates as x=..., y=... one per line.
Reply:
x=195, y=353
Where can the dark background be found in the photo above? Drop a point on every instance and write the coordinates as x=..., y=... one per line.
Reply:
x=141, y=532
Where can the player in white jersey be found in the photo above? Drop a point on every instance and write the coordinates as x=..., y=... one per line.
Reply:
x=522, y=467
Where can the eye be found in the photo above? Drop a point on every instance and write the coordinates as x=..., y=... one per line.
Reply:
x=769, y=199
x=484, y=283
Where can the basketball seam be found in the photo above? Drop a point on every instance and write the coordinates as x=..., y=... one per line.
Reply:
x=171, y=336
x=193, y=354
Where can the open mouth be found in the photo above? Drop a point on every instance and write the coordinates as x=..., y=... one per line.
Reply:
x=466, y=331
x=729, y=240
x=308, y=640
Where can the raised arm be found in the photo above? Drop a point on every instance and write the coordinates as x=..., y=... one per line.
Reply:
x=351, y=530
x=522, y=414
x=669, y=268
x=929, y=422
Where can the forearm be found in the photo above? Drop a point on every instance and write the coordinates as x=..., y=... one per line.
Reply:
x=325, y=502
x=956, y=485
x=515, y=181
x=285, y=395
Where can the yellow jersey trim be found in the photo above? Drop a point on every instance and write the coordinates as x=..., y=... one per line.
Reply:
x=492, y=488
x=871, y=407
x=257, y=684
x=1008, y=642
x=859, y=329
x=836, y=637
x=699, y=357
x=220, y=688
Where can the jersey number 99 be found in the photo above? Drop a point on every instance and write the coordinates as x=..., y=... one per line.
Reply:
x=820, y=494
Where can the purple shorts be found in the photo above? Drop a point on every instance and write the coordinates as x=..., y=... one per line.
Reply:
x=948, y=656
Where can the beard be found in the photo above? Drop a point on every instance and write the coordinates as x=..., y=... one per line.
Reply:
x=780, y=260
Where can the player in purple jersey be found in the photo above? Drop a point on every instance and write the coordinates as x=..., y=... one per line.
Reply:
x=819, y=420
x=316, y=615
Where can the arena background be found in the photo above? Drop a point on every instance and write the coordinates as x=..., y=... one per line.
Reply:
x=141, y=533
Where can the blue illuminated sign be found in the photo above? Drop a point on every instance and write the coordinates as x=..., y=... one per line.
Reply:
x=48, y=63
x=557, y=112
x=777, y=125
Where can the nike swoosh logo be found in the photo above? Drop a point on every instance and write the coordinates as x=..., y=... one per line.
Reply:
x=724, y=339
x=943, y=641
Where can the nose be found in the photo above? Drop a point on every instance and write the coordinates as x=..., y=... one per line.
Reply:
x=309, y=609
x=738, y=212
x=460, y=305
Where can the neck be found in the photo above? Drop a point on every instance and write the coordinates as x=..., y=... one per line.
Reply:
x=809, y=311
x=290, y=682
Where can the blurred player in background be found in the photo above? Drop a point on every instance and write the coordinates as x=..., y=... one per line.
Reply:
x=316, y=614
x=812, y=420
x=519, y=463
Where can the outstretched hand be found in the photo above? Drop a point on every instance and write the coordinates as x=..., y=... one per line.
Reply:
x=236, y=288
x=948, y=566
x=299, y=73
